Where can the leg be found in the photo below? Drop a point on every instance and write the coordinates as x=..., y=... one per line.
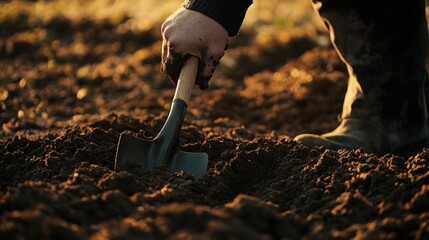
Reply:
x=383, y=44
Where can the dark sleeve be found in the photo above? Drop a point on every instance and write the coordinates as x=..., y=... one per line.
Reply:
x=229, y=13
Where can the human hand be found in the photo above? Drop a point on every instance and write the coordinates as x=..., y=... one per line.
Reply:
x=190, y=33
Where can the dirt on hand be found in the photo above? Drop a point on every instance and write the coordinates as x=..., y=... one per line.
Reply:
x=69, y=87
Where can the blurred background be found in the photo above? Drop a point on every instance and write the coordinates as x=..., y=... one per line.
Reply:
x=70, y=62
x=147, y=14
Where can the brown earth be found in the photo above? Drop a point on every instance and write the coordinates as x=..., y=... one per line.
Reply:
x=70, y=87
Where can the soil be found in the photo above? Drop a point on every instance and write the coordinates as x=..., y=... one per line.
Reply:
x=70, y=87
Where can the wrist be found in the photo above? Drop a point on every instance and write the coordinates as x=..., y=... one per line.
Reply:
x=228, y=13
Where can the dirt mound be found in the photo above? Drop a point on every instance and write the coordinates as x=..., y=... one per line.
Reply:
x=70, y=87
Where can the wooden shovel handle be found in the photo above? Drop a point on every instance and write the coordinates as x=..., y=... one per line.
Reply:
x=186, y=81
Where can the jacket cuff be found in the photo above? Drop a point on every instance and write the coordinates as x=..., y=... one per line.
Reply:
x=229, y=13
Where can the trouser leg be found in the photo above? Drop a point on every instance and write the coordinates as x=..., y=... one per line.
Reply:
x=384, y=44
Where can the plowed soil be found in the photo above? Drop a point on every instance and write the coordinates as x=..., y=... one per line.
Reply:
x=70, y=87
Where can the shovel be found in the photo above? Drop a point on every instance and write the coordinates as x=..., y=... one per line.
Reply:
x=163, y=150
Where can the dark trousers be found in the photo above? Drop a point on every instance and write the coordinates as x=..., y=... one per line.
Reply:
x=384, y=44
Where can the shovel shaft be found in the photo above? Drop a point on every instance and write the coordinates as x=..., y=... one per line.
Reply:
x=186, y=81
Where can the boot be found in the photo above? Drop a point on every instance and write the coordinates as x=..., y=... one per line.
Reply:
x=384, y=44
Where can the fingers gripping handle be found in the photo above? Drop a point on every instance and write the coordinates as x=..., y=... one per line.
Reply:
x=186, y=81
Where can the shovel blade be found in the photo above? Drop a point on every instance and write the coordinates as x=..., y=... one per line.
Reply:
x=147, y=153
x=192, y=163
x=134, y=150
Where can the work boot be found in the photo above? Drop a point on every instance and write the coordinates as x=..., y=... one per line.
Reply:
x=384, y=45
